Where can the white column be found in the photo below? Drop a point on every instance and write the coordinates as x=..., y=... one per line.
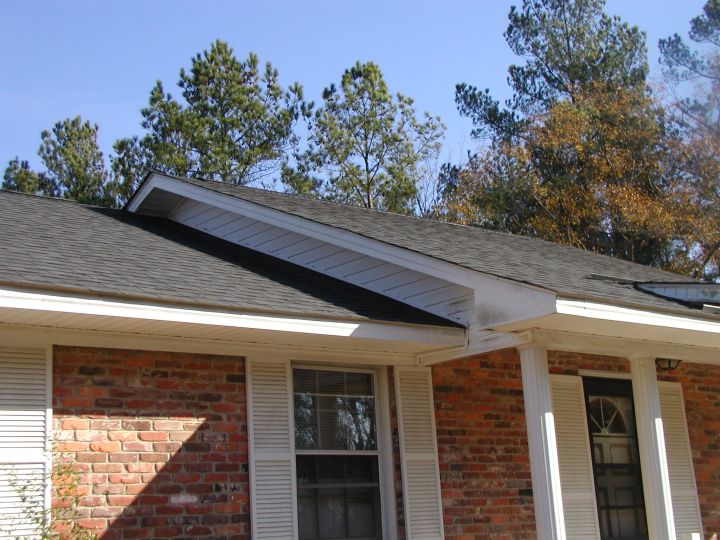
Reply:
x=544, y=465
x=651, y=440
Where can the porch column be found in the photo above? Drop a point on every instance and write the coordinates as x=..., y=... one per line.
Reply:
x=544, y=465
x=651, y=442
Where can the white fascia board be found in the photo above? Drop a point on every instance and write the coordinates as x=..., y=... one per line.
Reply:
x=107, y=308
x=29, y=336
x=606, y=312
x=498, y=300
x=478, y=343
x=621, y=347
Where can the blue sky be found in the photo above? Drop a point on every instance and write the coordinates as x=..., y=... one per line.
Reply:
x=100, y=59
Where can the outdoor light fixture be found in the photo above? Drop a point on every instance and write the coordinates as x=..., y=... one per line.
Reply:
x=666, y=364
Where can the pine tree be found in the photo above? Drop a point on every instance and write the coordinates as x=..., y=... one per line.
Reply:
x=366, y=146
x=234, y=124
x=74, y=165
x=578, y=154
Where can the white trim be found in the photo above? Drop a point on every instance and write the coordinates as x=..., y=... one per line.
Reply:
x=478, y=343
x=48, y=428
x=676, y=386
x=651, y=443
x=23, y=456
x=621, y=347
x=35, y=335
x=594, y=310
x=385, y=446
x=252, y=451
x=14, y=299
x=542, y=444
x=599, y=374
x=429, y=457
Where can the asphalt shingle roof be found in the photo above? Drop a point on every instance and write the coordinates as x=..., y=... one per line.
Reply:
x=53, y=243
x=562, y=269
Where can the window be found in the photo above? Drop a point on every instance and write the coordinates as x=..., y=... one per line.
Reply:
x=337, y=456
x=616, y=460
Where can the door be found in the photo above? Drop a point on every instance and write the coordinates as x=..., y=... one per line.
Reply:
x=616, y=460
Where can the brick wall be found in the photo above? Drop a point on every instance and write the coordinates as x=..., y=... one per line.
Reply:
x=701, y=389
x=158, y=439
x=482, y=445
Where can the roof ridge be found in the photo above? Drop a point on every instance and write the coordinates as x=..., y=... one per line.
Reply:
x=314, y=199
x=53, y=198
x=468, y=227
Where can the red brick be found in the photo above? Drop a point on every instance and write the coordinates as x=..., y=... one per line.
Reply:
x=122, y=436
x=92, y=523
x=123, y=457
x=105, y=446
x=153, y=436
x=74, y=423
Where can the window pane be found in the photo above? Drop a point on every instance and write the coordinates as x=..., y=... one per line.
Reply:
x=361, y=507
x=344, y=501
x=305, y=380
x=307, y=514
x=306, y=428
x=359, y=384
x=339, y=415
x=332, y=513
x=331, y=470
x=331, y=382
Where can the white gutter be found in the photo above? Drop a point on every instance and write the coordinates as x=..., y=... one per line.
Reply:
x=593, y=310
x=22, y=300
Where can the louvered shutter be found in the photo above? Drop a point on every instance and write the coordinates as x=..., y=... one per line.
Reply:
x=680, y=466
x=24, y=437
x=272, y=466
x=418, y=450
x=573, y=444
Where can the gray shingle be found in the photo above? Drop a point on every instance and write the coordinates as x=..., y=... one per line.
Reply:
x=61, y=244
x=562, y=269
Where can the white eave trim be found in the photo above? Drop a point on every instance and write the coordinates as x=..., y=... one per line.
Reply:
x=15, y=299
x=606, y=312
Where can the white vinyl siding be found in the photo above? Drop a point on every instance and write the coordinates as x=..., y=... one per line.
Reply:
x=576, y=471
x=414, y=288
x=686, y=508
x=24, y=438
x=418, y=448
x=272, y=463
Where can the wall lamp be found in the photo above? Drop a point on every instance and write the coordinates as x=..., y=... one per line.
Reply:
x=667, y=364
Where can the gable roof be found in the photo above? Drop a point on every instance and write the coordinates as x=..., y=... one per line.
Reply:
x=567, y=271
x=58, y=244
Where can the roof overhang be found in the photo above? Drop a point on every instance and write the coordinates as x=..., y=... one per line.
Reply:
x=497, y=299
x=616, y=327
x=509, y=313
x=129, y=318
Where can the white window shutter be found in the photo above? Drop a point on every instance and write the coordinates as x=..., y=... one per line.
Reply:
x=272, y=464
x=418, y=451
x=24, y=440
x=576, y=471
x=686, y=508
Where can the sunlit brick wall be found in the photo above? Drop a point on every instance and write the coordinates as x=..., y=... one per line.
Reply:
x=159, y=442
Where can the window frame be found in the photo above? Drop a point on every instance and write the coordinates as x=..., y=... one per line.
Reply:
x=383, y=429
